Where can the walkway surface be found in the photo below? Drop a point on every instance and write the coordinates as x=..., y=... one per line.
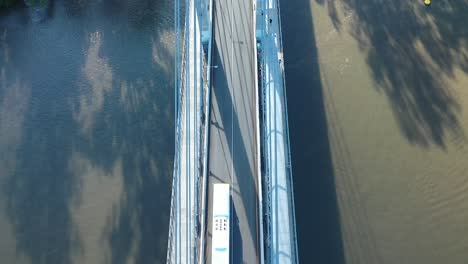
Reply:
x=232, y=156
x=277, y=172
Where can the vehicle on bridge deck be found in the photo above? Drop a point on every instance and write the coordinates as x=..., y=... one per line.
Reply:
x=221, y=224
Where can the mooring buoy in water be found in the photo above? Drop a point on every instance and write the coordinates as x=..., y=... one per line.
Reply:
x=427, y=2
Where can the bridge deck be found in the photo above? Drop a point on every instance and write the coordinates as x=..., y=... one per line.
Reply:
x=232, y=146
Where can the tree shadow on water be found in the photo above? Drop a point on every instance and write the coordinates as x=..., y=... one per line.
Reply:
x=414, y=52
x=139, y=131
x=101, y=87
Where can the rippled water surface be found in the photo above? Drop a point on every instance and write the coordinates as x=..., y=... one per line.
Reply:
x=86, y=132
x=378, y=108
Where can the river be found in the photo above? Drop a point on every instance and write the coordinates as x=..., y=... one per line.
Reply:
x=378, y=111
x=86, y=132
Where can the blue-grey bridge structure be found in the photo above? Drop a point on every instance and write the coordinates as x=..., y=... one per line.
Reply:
x=231, y=127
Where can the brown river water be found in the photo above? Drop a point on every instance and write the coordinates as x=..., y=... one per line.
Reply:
x=378, y=110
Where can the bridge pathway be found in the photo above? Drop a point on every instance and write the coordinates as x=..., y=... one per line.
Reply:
x=233, y=142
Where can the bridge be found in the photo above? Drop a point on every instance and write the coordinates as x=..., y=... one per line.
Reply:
x=231, y=127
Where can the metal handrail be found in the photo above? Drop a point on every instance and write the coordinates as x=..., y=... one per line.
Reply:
x=257, y=106
x=207, y=134
x=179, y=86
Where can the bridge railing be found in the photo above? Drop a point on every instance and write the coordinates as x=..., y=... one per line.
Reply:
x=260, y=200
x=179, y=84
x=206, y=123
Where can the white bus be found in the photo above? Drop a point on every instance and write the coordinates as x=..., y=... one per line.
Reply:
x=221, y=224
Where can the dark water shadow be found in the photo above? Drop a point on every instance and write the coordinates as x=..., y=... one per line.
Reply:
x=136, y=128
x=13, y=7
x=412, y=51
x=317, y=214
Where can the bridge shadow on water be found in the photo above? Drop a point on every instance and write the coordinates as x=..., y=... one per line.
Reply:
x=317, y=215
x=86, y=133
